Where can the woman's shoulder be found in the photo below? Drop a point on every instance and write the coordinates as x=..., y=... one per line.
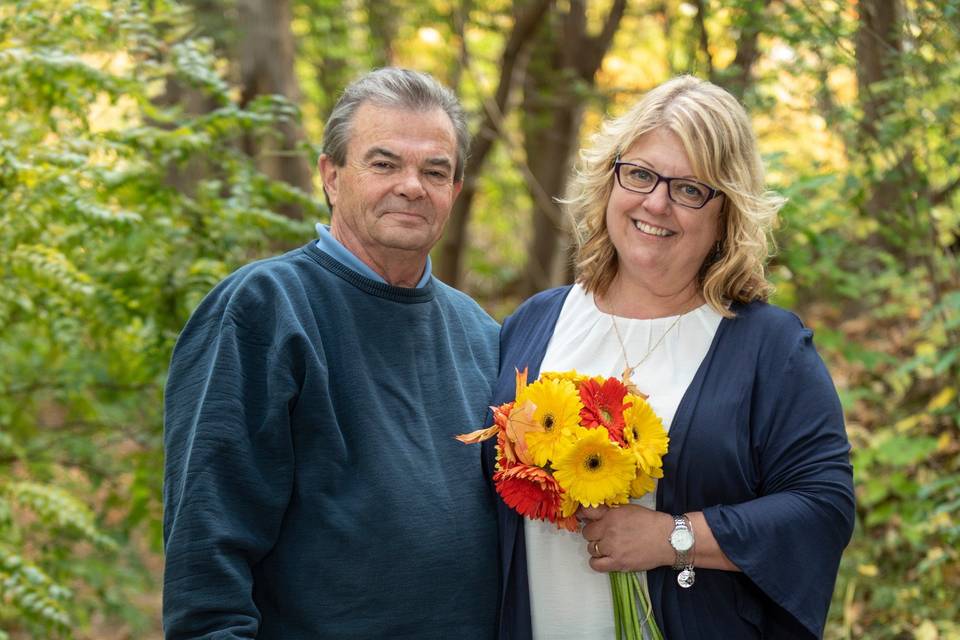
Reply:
x=542, y=304
x=764, y=316
x=771, y=332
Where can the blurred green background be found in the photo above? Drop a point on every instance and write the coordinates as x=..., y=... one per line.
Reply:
x=148, y=148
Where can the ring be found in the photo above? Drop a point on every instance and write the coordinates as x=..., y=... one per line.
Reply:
x=596, y=549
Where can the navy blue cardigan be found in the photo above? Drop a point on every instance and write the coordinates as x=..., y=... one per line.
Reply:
x=758, y=444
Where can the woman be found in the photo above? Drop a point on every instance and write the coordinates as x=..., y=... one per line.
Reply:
x=744, y=534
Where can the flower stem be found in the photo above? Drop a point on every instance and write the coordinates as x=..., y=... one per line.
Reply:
x=630, y=597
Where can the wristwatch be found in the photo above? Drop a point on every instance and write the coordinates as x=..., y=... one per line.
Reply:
x=682, y=541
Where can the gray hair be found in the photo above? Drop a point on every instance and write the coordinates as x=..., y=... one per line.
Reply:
x=399, y=89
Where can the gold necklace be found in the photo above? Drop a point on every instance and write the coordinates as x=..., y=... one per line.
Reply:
x=628, y=370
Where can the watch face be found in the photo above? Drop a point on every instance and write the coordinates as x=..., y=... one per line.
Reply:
x=681, y=540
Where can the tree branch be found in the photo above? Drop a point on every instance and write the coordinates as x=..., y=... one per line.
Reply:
x=704, y=38
x=598, y=45
x=941, y=195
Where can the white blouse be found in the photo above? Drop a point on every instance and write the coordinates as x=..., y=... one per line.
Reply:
x=568, y=599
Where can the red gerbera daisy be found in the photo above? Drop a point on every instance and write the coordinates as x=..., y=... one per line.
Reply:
x=530, y=491
x=603, y=406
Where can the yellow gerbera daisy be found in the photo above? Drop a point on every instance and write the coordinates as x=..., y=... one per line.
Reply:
x=644, y=435
x=557, y=411
x=568, y=506
x=594, y=470
x=572, y=376
x=643, y=483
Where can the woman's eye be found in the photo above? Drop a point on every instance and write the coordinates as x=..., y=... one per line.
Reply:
x=641, y=174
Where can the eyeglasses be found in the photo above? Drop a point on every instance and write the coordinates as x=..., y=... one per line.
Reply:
x=683, y=191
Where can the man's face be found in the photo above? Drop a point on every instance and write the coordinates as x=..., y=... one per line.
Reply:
x=393, y=196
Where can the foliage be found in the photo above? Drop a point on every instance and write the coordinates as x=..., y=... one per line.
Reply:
x=102, y=258
x=881, y=279
x=122, y=203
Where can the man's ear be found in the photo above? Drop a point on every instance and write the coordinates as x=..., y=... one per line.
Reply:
x=329, y=173
x=457, y=186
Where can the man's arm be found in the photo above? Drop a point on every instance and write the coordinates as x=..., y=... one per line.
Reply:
x=228, y=475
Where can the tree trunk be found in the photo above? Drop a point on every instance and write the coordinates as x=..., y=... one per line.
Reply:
x=878, y=46
x=266, y=55
x=739, y=78
x=382, y=21
x=560, y=75
x=212, y=22
x=327, y=48
x=449, y=263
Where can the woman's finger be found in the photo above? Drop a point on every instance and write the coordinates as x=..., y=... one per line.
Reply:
x=591, y=513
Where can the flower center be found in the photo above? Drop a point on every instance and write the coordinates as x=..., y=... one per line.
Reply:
x=606, y=415
x=548, y=422
x=593, y=462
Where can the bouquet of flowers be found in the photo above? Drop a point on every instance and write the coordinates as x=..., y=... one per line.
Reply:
x=569, y=440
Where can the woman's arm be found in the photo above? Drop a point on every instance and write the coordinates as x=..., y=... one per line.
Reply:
x=635, y=538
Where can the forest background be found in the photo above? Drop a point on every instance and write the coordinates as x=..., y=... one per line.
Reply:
x=149, y=148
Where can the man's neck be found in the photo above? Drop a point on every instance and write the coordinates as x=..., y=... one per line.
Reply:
x=398, y=267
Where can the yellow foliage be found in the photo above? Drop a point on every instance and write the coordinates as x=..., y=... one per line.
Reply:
x=942, y=399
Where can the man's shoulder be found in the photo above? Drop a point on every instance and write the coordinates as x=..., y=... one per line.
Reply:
x=462, y=302
x=258, y=289
x=280, y=269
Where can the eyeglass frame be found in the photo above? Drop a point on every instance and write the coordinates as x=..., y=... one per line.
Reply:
x=617, y=163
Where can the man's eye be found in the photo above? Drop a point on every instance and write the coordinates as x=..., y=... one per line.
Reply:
x=381, y=164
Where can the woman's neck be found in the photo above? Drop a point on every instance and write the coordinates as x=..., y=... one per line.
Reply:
x=630, y=300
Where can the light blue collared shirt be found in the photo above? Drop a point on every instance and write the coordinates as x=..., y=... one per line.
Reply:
x=333, y=247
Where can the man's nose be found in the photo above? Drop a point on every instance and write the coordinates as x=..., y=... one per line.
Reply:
x=410, y=184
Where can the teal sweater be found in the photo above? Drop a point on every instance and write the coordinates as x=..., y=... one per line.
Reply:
x=313, y=486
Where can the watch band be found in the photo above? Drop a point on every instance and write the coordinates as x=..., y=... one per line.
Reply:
x=680, y=557
x=683, y=559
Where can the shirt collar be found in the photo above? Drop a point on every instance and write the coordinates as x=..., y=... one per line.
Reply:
x=334, y=248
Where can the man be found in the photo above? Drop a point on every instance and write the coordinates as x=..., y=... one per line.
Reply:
x=313, y=485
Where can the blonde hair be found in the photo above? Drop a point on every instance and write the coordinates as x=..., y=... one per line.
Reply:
x=720, y=144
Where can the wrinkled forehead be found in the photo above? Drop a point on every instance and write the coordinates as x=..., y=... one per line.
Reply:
x=402, y=131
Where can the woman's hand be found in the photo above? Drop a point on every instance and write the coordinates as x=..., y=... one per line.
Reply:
x=634, y=538
x=626, y=538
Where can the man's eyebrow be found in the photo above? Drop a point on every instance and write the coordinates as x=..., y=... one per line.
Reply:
x=380, y=151
x=440, y=162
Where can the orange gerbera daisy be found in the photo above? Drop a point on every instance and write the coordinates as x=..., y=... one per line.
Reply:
x=530, y=491
x=603, y=406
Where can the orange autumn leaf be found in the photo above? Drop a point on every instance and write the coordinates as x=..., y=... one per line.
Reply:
x=521, y=382
x=479, y=435
x=519, y=423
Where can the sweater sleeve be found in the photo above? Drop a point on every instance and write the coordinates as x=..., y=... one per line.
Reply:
x=789, y=540
x=228, y=474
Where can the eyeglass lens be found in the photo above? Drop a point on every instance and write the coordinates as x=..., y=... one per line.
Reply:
x=681, y=190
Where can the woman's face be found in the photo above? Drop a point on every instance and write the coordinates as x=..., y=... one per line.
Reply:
x=660, y=244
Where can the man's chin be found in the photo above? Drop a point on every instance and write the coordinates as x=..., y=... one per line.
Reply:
x=404, y=238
